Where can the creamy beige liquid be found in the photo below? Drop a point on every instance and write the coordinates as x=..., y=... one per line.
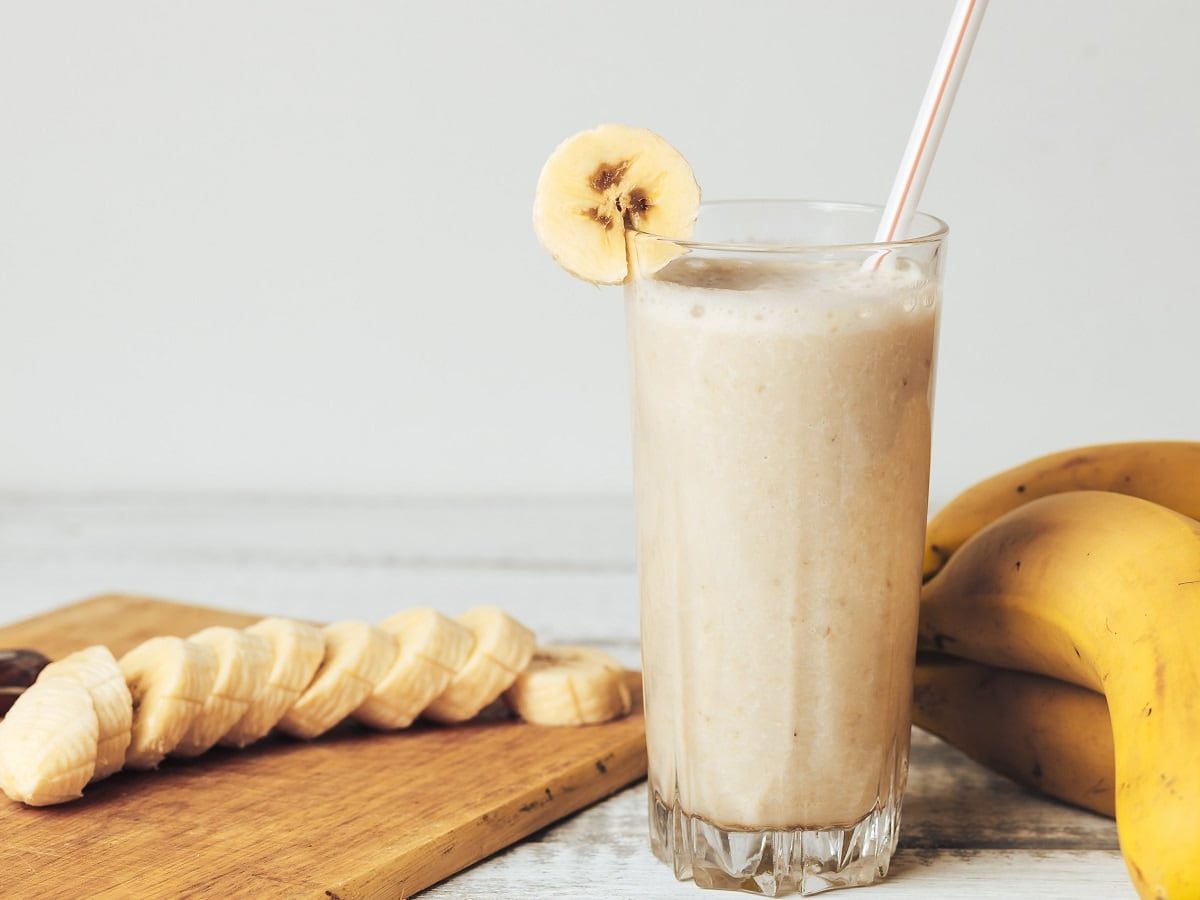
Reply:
x=782, y=427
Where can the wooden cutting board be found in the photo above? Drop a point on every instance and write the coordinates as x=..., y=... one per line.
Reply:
x=353, y=814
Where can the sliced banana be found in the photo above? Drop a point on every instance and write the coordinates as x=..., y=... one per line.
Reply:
x=357, y=656
x=297, y=649
x=432, y=648
x=570, y=686
x=503, y=648
x=97, y=670
x=243, y=662
x=48, y=742
x=600, y=184
x=169, y=679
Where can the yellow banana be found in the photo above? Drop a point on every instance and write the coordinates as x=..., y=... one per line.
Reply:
x=1165, y=472
x=1102, y=590
x=1046, y=734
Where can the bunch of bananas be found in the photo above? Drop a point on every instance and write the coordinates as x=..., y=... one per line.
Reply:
x=1060, y=641
x=89, y=714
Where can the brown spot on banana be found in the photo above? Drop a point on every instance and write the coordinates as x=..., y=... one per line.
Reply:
x=636, y=206
x=595, y=215
x=940, y=641
x=608, y=175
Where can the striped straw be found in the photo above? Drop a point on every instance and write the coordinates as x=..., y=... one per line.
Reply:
x=931, y=120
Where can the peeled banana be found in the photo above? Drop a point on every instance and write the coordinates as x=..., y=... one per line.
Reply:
x=432, y=649
x=570, y=686
x=169, y=680
x=1101, y=590
x=243, y=661
x=96, y=669
x=1165, y=472
x=88, y=714
x=48, y=743
x=502, y=650
x=357, y=656
x=296, y=650
x=1046, y=734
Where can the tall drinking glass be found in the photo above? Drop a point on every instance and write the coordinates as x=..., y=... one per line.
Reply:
x=782, y=391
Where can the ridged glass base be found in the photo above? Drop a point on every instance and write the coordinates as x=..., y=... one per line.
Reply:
x=773, y=863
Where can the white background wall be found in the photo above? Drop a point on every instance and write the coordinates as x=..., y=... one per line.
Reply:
x=286, y=245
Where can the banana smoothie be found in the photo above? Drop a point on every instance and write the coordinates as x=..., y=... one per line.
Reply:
x=782, y=365
x=782, y=435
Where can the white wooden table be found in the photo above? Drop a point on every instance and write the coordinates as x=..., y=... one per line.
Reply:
x=564, y=566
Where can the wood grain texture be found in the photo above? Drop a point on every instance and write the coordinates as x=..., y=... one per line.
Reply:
x=353, y=814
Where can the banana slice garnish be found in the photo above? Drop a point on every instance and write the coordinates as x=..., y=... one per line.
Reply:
x=603, y=183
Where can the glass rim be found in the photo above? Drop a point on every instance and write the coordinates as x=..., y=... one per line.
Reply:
x=939, y=231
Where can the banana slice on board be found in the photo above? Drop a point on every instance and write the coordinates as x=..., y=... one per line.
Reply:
x=503, y=648
x=570, y=686
x=600, y=184
x=97, y=670
x=432, y=648
x=169, y=679
x=357, y=656
x=243, y=662
x=48, y=742
x=297, y=649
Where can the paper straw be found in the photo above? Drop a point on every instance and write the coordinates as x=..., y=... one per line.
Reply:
x=931, y=120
